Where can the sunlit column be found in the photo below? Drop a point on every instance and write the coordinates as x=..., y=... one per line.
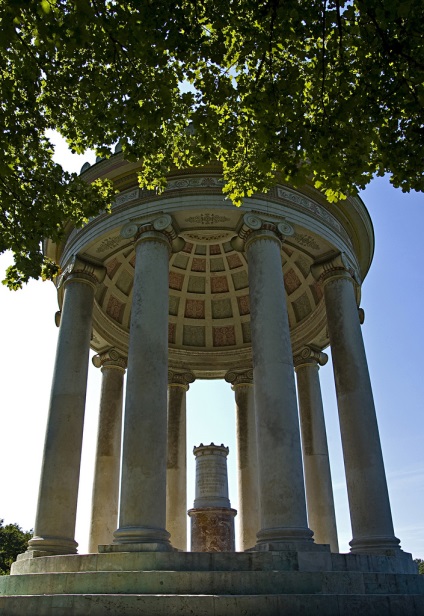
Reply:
x=104, y=506
x=370, y=513
x=54, y=529
x=142, y=516
x=281, y=485
x=316, y=462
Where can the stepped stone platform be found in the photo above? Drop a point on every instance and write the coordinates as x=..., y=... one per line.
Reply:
x=289, y=582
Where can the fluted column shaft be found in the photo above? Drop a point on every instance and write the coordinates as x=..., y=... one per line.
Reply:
x=281, y=487
x=142, y=516
x=176, y=481
x=371, y=518
x=316, y=462
x=247, y=458
x=54, y=529
x=104, y=507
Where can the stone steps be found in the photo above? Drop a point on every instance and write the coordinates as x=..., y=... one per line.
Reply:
x=209, y=605
x=212, y=583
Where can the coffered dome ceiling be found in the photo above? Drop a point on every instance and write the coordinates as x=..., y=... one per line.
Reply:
x=209, y=312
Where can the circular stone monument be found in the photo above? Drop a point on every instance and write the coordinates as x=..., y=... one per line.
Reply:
x=180, y=286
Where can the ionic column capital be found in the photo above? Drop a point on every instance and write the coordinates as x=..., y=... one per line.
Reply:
x=163, y=229
x=239, y=378
x=110, y=359
x=254, y=228
x=334, y=268
x=180, y=379
x=310, y=356
x=80, y=270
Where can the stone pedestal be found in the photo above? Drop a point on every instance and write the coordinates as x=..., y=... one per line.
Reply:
x=212, y=519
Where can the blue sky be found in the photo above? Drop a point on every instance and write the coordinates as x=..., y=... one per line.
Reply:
x=393, y=300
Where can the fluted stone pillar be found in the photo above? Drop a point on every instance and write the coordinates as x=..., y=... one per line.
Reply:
x=104, y=506
x=247, y=457
x=281, y=486
x=142, y=517
x=176, y=480
x=54, y=529
x=316, y=462
x=370, y=513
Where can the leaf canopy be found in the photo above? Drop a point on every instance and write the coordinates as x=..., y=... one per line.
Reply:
x=327, y=90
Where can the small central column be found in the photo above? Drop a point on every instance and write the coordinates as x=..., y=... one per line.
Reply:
x=316, y=461
x=212, y=519
x=369, y=505
x=281, y=485
x=176, y=481
x=54, y=529
x=247, y=457
x=142, y=516
x=104, y=507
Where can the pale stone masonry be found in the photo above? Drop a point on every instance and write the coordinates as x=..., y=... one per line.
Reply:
x=181, y=286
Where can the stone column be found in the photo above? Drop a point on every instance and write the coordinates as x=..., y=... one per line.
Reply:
x=316, y=462
x=281, y=486
x=370, y=513
x=142, y=516
x=54, y=528
x=176, y=478
x=247, y=457
x=104, y=506
x=212, y=519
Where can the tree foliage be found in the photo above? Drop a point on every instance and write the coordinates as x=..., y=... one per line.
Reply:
x=420, y=563
x=328, y=90
x=13, y=541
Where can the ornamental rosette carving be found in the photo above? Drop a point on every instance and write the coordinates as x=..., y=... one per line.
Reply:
x=82, y=271
x=255, y=227
x=338, y=266
x=110, y=359
x=238, y=377
x=180, y=379
x=310, y=356
x=164, y=225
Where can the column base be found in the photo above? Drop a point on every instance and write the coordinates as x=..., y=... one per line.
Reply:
x=389, y=546
x=139, y=539
x=284, y=538
x=49, y=546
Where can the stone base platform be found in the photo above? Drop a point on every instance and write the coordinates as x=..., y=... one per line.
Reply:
x=213, y=584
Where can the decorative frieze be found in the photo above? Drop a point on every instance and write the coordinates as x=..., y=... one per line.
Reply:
x=337, y=266
x=110, y=359
x=310, y=355
x=180, y=379
x=82, y=271
x=253, y=227
x=237, y=377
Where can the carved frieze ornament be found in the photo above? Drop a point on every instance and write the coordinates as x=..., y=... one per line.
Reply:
x=80, y=270
x=163, y=226
x=253, y=227
x=110, y=359
x=180, y=379
x=238, y=377
x=338, y=266
x=310, y=356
